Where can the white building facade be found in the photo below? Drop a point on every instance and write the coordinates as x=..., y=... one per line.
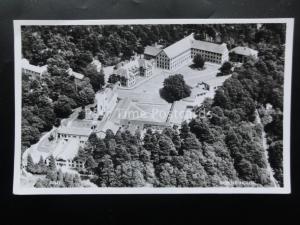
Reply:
x=130, y=70
x=32, y=70
x=96, y=64
x=67, y=163
x=182, y=53
x=241, y=54
x=107, y=99
x=210, y=52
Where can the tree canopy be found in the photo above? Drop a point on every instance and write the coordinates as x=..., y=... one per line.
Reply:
x=225, y=69
x=198, y=61
x=175, y=88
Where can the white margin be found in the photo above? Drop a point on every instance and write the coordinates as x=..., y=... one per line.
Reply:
x=17, y=190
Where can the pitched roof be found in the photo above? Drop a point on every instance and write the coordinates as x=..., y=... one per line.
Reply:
x=179, y=46
x=96, y=64
x=127, y=67
x=209, y=46
x=123, y=72
x=144, y=63
x=151, y=113
x=244, y=51
x=189, y=42
x=151, y=50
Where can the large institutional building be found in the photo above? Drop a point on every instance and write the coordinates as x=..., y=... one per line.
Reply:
x=183, y=51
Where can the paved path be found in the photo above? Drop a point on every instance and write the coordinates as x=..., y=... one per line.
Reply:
x=170, y=112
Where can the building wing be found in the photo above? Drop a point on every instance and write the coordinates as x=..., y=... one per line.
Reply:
x=151, y=50
x=209, y=46
x=189, y=42
x=180, y=46
x=37, y=69
x=74, y=74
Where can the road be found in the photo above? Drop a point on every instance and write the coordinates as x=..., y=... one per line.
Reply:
x=274, y=182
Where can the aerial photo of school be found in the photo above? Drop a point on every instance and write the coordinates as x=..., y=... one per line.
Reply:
x=158, y=105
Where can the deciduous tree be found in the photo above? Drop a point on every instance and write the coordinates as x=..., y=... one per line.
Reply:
x=198, y=61
x=175, y=88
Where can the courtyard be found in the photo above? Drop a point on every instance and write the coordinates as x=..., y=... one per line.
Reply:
x=148, y=92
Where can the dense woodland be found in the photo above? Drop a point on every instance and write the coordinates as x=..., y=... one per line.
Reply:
x=205, y=152
x=47, y=100
x=54, y=177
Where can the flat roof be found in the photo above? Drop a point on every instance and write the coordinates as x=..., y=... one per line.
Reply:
x=71, y=72
x=146, y=112
x=37, y=69
x=77, y=127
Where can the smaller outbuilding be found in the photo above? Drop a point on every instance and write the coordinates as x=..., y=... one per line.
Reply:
x=127, y=72
x=32, y=70
x=72, y=73
x=241, y=54
x=96, y=64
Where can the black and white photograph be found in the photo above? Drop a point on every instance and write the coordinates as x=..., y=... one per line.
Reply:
x=152, y=106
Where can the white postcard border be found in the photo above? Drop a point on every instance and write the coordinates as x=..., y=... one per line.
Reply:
x=18, y=190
